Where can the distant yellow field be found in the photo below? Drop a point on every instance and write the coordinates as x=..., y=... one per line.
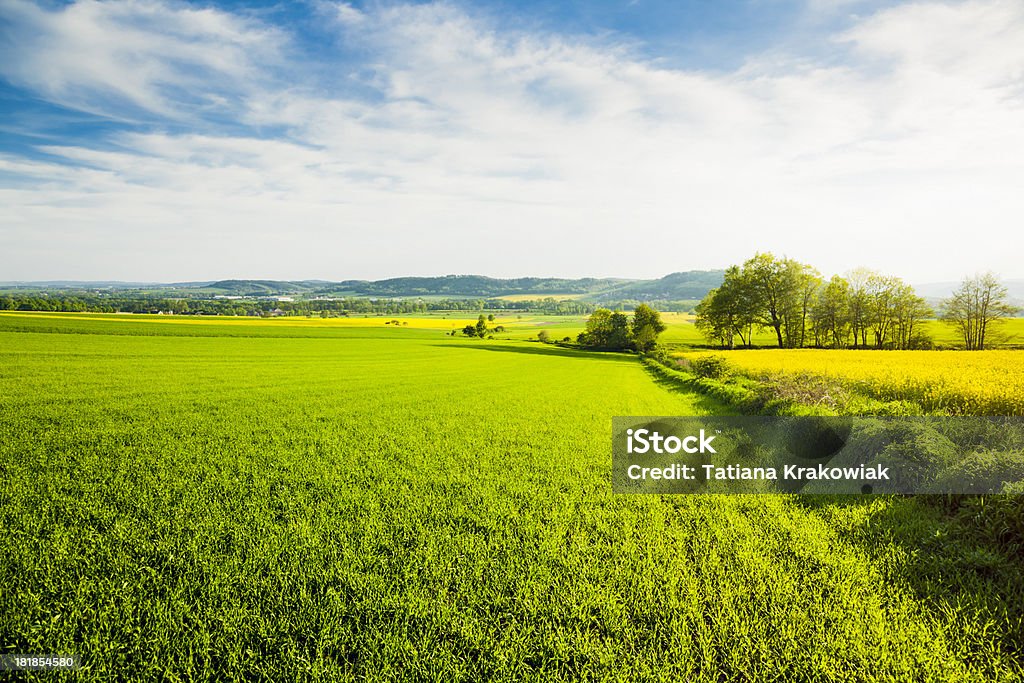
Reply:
x=959, y=382
x=534, y=297
x=678, y=318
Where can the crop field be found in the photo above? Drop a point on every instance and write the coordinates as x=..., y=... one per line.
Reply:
x=955, y=382
x=682, y=332
x=216, y=499
x=534, y=297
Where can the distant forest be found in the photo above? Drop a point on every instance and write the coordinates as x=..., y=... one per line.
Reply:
x=555, y=296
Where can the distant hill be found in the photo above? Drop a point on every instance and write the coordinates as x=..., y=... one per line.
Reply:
x=935, y=292
x=687, y=285
x=691, y=284
x=259, y=287
x=457, y=286
x=942, y=290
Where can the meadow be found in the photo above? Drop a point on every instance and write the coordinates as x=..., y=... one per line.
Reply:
x=234, y=499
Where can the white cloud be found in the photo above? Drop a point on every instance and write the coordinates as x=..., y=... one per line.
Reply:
x=510, y=153
x=159, y=58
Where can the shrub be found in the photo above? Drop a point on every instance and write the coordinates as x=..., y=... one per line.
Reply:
x=913, y=449
x=712, y=367
x=985, y=472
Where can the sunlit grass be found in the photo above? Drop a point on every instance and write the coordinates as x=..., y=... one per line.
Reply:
x=381, y=503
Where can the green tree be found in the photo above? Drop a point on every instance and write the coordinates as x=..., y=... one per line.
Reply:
x=606, y=330
x=909, y=311
x=595, y=333
x=807, y=282
x=830, y=316
x=860, y=306
x=976, y=308
x=620, y=336
x=781, y=292
x=728, y=311
x=765, y=275
x=646, y=327
x=883, y=295
x=481, y=327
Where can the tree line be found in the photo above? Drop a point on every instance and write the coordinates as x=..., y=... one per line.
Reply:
x=609, y=330
x=864, y=309
x=98, y=303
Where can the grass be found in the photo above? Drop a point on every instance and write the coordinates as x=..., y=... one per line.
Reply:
x=680, y=333
x=197, y=500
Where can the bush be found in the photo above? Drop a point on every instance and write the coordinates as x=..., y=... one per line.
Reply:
x=914, y=450
x=543, y=336
x=985, y=472
x=711, y=367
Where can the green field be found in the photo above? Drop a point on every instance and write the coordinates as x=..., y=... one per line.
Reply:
x=680, y=332
x=217, y=499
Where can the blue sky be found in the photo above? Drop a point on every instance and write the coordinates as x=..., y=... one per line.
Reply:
x=155, y=140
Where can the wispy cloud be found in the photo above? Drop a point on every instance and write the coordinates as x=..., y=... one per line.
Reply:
x=136, y=56
x=453, y=144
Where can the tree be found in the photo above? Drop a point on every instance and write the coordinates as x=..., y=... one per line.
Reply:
x=469, y=330
x=976, y=308
x=807, y=282
x=860, y=308
x=646, y=327
x=606, y=330
x=619, y=336
x=830, y=316
x=543, y=336
x=909, y=311
x=481, y=327
x=728, y=311
x=596, y=331
x=781, y=293
x=765, y=275
x=883, y=297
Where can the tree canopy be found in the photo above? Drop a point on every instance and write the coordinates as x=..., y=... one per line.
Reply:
x=792, y=299
x=615, y=331
x=976, y=309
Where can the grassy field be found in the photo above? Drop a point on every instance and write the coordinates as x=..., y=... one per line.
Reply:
x=680, y=332
x=216, y=499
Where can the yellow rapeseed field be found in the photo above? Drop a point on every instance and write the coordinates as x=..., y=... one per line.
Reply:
x=957, y=382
